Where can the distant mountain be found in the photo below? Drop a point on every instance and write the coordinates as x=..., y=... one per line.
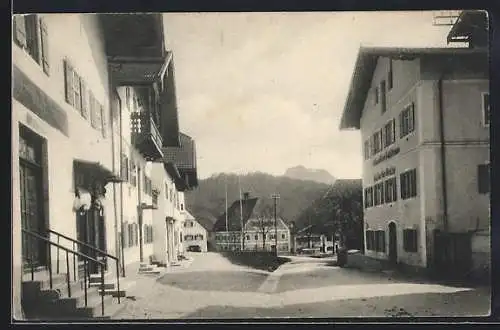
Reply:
x=302, y=173
x=208, y=200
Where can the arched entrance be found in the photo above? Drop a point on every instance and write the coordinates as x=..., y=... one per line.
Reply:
x=393, y=243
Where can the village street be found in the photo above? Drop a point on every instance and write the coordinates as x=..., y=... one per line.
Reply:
x=210, y=287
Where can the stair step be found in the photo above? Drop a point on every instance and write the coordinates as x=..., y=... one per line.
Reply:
x=114, y=291
x=110, y=285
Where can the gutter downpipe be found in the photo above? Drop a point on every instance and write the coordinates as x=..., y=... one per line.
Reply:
x=443, y=154
x=121, y=193
x=113, y=165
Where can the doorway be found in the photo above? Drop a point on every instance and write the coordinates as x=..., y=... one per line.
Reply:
x=393, y=243
x=91, y=230
x=31, y=195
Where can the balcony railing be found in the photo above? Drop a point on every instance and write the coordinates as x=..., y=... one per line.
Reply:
x=146, y=136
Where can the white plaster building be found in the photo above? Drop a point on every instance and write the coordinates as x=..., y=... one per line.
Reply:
x=423, y=115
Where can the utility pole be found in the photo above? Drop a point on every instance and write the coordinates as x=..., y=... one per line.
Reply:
x=275, y=198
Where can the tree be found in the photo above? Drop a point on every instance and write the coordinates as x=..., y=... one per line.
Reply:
x=264, y=224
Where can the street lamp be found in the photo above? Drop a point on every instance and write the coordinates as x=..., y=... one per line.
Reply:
x=275, y=198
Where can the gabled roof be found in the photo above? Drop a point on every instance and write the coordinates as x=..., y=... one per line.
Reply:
x=234, y=216
x=364, y=69
x=205, y=222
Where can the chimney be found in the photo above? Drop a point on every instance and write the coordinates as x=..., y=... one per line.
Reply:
x=246, y=195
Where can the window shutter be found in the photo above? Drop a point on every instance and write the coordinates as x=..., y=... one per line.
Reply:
x=85, y=99
x=393, y=129
x=98, y=120
x=411, y=118
x=20, y=30
x=103, y=122
x=45, y=47
x=68, y=82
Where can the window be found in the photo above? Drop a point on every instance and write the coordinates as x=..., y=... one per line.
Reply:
x=410, y=243
x=378, y=194
x=377, y=143
x=93, y=105
x=407, y=120
x=182, y=207
x=486, y=109
x=368, y=197
x=383, y=104
x=390, y=76
x=154, y=197
x=375, y=240
x=408, y=182
x=133, y=173
x=366, y=149
x=191, y=224
x=188, y=237
x=483, y=178
x=391, y=194
x=375, y=96
x=104, y=121
x=124, y=168
x=72, y=87
x=389, y=133
x=30, y=33
x=370, y=240
x=247, y=237
x=256, y=237
x=283, y=236
x=380, y=238
x=85, y=95
x=199, y=237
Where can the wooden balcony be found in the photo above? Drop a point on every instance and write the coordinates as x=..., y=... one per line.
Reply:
x=184, y=159
x=146, y=136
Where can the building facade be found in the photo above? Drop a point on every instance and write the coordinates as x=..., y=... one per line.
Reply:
x=89, y=123
x=259, y=233
x=423, y=116
x=195, y=234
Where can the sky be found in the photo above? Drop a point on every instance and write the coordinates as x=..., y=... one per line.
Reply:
x=265, y=91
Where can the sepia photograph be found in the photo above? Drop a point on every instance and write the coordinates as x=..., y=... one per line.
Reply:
x=250, y=165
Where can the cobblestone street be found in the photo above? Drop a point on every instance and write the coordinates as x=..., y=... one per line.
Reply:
x=210, y=287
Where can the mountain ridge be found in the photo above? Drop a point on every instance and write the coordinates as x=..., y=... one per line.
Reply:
x=300, y=172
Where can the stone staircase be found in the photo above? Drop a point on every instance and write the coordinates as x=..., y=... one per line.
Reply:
x=42, y=303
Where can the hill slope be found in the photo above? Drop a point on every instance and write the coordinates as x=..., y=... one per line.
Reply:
x=295, y=195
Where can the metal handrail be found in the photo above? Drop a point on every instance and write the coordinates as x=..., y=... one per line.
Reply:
x=68, y=281
x=83, y=243
x=104, y=253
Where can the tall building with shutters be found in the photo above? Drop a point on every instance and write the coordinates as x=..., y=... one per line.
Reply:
x=93, y=109
x=423, y=115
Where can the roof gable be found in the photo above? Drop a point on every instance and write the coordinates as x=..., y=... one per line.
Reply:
x=364, y=69
x=234, y=216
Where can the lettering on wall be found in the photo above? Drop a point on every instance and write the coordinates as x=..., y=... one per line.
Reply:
x=386, y=155
x=36, y=100
x=384, y=173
